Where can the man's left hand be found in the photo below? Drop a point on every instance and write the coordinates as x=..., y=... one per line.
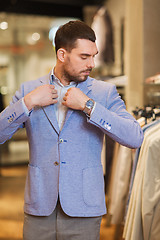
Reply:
x=75, y=99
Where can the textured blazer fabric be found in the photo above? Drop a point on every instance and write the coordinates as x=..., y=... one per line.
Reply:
x=68, y=162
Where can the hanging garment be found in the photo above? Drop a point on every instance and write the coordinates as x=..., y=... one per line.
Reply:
x=102, y=25
x=143, y=209
x=120, y=185
x=147, y=126
x=121, y=175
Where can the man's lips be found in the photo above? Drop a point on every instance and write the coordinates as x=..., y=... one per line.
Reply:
x=87, y=72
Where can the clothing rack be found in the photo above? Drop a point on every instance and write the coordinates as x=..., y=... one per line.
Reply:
x=148, y=112
x=142, y=220
x=123, y=171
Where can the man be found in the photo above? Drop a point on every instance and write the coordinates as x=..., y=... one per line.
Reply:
x=66, y=115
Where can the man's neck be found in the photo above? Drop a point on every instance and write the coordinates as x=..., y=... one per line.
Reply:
x=59, y=75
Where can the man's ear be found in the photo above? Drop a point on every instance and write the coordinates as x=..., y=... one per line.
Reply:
x=61, y=54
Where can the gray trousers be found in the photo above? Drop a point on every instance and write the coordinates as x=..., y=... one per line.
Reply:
x=59, y=226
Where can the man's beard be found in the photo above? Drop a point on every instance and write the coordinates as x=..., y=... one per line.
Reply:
x=76, y=78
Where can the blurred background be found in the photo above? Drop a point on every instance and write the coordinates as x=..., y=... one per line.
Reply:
x=128, y=37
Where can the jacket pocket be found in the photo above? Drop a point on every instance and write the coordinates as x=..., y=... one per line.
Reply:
x=32, y=185
x=93, y=186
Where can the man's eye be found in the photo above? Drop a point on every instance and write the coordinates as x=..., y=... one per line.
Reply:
x=83, y=58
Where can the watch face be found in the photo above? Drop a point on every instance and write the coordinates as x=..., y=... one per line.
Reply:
x=89, y=103
x=88, y=107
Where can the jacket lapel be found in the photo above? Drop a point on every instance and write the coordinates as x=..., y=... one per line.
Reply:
x=49, y=111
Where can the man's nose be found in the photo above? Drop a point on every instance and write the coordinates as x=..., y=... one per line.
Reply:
x=91, y=63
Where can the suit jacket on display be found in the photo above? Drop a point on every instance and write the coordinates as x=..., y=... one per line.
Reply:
x=68, y=162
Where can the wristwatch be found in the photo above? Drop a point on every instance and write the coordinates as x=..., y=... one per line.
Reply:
x=88, y=107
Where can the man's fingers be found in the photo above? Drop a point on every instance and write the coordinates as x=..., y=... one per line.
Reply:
x=51, y=86
x=54, y=91
x=54, y=101
x=69, y=89
x=64, y=103
x=65, y=98
x=54, y=96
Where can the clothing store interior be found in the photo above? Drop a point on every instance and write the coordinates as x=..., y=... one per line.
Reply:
x=128, y=37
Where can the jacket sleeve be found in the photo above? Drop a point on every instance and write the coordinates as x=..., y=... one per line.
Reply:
x=12, y=117
x=113, y=119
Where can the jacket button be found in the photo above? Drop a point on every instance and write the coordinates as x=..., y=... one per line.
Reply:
x=61, y=140
x=10, y=120
x=56, y=163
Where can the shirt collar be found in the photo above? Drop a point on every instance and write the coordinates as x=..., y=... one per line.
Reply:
x=57, y=81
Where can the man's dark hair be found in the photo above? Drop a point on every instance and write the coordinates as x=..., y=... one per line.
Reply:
x=68, y=33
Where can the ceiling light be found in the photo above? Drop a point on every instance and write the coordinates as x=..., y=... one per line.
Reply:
x=4, y=90
x=35, y=36
x=4, y=25
x=32, y=38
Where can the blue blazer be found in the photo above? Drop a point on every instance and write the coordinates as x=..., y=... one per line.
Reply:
x=68, y=162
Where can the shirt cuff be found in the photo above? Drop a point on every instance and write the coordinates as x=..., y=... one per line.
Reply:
x=93, y=109
x=25, y=108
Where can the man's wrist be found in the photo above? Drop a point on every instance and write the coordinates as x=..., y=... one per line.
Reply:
x=89, y=105
x=25, y=108
x=28, y=102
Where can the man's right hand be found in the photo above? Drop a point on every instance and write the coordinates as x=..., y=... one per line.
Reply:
x=41, y=96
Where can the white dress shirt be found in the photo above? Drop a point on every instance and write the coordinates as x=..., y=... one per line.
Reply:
x=60, y=109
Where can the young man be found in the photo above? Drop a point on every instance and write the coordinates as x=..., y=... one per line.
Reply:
x=66, y=115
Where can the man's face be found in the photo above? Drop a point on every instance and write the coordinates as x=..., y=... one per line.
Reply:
x=80, y=61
